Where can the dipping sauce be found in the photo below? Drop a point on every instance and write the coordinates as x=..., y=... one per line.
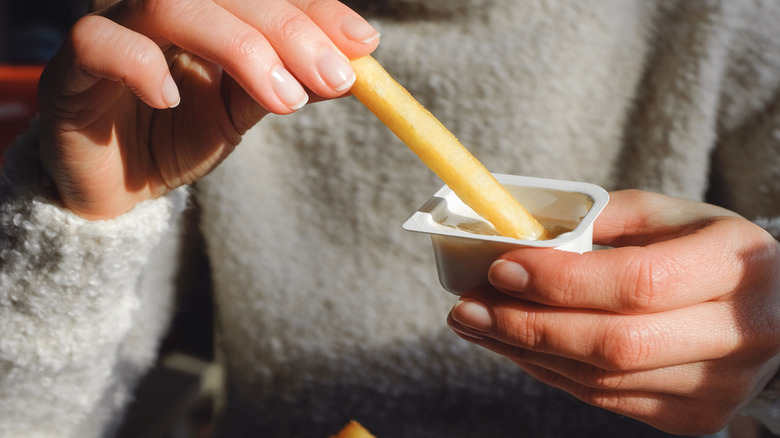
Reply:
x=554, y=227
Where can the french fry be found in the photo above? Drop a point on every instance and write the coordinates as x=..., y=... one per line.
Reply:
x=441, y=151
x=353, y=429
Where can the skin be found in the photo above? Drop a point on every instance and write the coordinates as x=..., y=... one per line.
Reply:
x=676, y=326
x=108, y=137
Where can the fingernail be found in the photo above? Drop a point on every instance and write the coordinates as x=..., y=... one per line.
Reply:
x=473, y=315
x=335, y=70
x=506, y=274
x=358, y=30
x=287, y=89
x=170, y=92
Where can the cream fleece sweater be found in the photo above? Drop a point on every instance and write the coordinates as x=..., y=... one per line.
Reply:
x=326, y=309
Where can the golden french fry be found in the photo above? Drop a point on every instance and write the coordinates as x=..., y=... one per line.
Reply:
x=441, y=151
x=353, y=429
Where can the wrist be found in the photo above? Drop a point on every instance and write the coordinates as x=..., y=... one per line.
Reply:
x=25, y=170
x=104, y=208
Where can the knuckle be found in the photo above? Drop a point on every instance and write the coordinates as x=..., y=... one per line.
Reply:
x=627, y=345
x=245, y=46
x=141, y=56
x=86, y=24
x=644, y=290
x=289, y=25
x=90, y=35
x=313, y=5
x=562, y=286
x=649, y=280
x=86, y=30
x=530, y=334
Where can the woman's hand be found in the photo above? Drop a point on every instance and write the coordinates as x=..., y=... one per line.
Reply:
x=109, y=135
x=677, y=326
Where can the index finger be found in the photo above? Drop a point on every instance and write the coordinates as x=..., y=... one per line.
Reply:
x=314, y=39
x=681, y=263
x=271, y=48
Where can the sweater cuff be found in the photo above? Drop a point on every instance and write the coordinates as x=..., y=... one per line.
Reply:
x=68, y=296
x=45, y=247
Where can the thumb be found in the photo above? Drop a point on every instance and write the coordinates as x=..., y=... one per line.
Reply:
x=676, y=253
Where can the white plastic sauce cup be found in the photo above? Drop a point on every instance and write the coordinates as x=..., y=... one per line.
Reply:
x=464, y=254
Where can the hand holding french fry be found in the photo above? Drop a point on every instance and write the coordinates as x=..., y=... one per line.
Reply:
x=441, y=151
x=136, y=104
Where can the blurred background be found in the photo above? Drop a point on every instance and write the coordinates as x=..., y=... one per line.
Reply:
x=30, y=33
x=31, y=30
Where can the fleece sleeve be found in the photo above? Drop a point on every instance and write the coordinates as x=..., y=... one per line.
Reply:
x=68, y=300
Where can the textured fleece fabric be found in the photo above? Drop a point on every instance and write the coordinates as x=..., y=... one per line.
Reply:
x=326, y=310
x=80, y=314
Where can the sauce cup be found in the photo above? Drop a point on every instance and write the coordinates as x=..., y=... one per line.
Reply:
x=465, y=244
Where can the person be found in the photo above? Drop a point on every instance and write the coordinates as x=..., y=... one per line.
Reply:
x=327, y=311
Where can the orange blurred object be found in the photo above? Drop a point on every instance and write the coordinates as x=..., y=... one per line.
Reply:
x=18, y=99
x=353, y=429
